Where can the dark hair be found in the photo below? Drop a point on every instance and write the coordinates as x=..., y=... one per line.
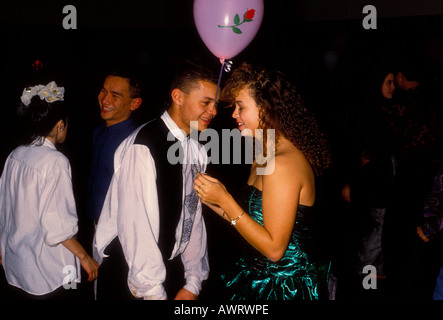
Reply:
x=135, y=88
x=40, y=117
x=410, y=68
x=281, y=108
x=188, y=76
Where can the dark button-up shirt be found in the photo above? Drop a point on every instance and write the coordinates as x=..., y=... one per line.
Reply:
x=105, y=141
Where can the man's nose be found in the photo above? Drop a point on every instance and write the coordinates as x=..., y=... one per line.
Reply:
x=212, y=110
x=104, y=98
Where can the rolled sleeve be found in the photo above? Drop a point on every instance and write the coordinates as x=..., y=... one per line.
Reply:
x=138, y=223
x=57, y=206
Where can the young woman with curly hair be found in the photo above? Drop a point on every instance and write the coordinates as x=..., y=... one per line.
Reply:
x=276, y=213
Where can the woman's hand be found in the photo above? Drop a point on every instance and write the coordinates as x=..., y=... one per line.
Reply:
x=91, y=267
x=88, y=263
x=210, y=190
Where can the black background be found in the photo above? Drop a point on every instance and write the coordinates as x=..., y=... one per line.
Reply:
x=154, y=36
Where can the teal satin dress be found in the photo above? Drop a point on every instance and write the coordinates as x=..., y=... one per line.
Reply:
x=294, y=277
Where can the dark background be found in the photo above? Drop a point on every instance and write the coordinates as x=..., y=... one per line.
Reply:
x=320, y=44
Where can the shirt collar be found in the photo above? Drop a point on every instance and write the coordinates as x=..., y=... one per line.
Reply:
x=173, y=127
x=46, y=143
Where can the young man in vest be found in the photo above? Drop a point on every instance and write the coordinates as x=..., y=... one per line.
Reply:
x=152, y=218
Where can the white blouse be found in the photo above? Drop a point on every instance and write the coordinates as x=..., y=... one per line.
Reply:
x=37, y=213
x=131, y=211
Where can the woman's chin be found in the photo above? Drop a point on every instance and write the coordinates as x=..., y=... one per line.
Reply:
x=246, y=132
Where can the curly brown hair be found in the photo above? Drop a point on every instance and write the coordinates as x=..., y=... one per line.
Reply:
x=282, y=109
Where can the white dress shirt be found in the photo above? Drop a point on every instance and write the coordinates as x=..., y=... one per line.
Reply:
x=131, y=212
x=37, y=213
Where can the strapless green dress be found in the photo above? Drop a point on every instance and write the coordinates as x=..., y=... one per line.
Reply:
x=294, y=277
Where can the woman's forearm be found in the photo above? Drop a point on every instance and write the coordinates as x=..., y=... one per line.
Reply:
x=252, y=231
x=87, y=262
x=75, y=247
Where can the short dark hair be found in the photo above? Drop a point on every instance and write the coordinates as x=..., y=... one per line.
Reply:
x=188, y=76
x=135, y=88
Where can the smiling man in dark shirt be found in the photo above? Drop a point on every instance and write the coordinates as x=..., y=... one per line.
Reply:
x=118, y=98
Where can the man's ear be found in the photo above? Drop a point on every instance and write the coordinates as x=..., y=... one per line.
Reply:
x=136, y=102
x=177, y=96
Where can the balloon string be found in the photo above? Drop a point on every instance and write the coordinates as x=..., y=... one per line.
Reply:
x=216, y=92
x=219, y=79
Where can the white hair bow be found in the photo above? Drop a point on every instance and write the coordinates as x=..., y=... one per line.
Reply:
x=50, y=93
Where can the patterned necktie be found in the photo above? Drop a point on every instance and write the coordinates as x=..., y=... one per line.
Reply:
x=191, y=167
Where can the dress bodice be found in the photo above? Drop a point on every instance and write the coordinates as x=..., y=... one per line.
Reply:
x=301, y=237
x=257, y=277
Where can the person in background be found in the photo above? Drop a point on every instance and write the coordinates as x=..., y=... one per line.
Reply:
x=431, y=230
x=119, y=96
x=368, y=180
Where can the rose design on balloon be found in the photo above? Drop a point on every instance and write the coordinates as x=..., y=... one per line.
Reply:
x=247, y=17
x=213, y=18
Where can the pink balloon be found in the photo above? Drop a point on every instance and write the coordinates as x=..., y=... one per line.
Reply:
x=227, y=27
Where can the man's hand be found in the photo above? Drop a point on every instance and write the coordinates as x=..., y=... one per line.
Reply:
x=184, y=294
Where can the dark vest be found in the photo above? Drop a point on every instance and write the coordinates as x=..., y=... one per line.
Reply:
x=169, y=181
